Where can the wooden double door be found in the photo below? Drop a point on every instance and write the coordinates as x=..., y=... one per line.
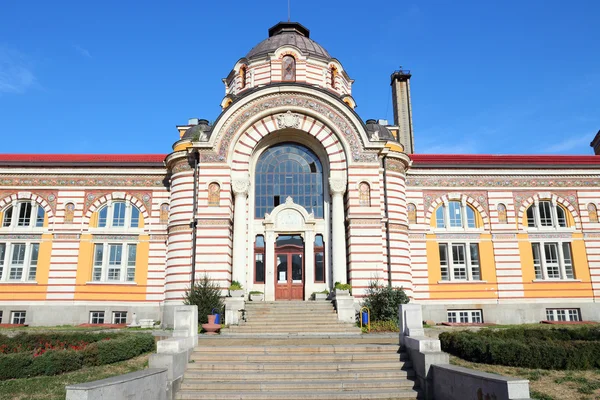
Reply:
x=289, y=268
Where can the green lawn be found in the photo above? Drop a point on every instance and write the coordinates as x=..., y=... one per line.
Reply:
x=53, y=387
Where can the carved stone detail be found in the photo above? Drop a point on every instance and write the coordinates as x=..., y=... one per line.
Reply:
x=337, y=185
x=288, y=120
x=240, y=186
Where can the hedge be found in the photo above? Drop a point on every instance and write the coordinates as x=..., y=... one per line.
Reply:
x=527, y=348
x=53, y=362
x=27, y=342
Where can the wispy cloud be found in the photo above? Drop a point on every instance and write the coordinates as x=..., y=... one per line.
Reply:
x=568, y=144
x=82, y=51
x=16, y=73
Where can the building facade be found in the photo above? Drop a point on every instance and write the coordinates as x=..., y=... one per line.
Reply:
x=288, y=192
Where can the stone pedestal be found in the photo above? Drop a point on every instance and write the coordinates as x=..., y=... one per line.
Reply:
x=233, y=305
x=345, y=308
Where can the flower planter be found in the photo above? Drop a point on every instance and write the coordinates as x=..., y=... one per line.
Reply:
x=257, y=297
x=236, y=293
x=339, y=292
x=321, y=296
x=211, y=328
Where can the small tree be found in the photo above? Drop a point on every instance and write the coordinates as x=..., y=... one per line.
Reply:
x=206, y=295
x=383, y=301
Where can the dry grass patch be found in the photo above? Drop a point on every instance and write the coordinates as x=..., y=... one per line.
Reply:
x=53, y=387
x=547, y=384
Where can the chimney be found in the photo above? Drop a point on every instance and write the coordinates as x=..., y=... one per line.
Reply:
x=596, y=144
x=193, y=121
x=402, y=108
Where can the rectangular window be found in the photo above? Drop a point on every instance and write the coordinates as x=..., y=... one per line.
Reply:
x=97, y=317
x=259, y=259
x=1, y=316
x=98, y=261
x=537, y=260
x=439, y=217
x=18, y=317
x=115, y=253
x=563, y=314
x=459, y=262
x=465, y=316
x=17, y=261
x=552, y=265
x=135, y=217
x=475, y=270
x=444, y=261
x=568, y=261
x=131, y=256
x=2, y=256
x=39, y=220
x=33, y=261
x=118, y=214
x=320, y=267
x=119, y=317
x=545, y=213
x=102, y=217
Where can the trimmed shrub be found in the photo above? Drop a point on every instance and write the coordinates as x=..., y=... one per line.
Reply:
x=527, y=348
x=26, y=342
x=53, y=362
x=205, y=294
x=383, y=301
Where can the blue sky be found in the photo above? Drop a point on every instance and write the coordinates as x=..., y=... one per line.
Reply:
x=500, y=77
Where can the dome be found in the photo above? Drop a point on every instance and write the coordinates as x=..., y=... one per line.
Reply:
x=377, y=131
x=199, y=132
x=288, y=33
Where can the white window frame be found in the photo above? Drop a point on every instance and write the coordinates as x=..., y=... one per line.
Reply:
x=465, y=316
x=111, y=218
x=97, y=315
x=121, y=314
x=540, y=223
x=1, y=315
x=28, y=267
x=472, y=274
x=101, y=268
x=16, y=211
x=20, y=315
x=566, y=270
x=563, y=314
x=466, y=223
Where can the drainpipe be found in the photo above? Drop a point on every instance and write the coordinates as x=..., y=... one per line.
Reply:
x=195, y=155
x=387, y=223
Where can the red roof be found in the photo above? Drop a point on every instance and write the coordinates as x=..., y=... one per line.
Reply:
x=503, y=160
x=16, y=159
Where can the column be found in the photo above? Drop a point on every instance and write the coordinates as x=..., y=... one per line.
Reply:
x=309, y=264
x=338, y=229
x=270, y=269
x=240, y=191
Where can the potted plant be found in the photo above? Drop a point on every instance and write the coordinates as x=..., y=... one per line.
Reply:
x=342, y=289
x=321, y=295
x=236, y=289
x=256, y=295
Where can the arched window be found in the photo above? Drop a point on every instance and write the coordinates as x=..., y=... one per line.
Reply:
x=364, y=194
x=502, y=214
x=259, y=259
x=545, y=214
x=592, y=213
x=333, y=73
x=288, y=69
x=119, y=214
x=24, y=214
x=455, y=214
x=214, y=195
x=412, y=213
x=69, y=213
x=319, y=259
x=164, y=213
x=243, y=76
x=288, y=169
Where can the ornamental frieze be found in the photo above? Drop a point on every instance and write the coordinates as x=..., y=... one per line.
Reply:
x=550, y=235
x=66, y=236
x=504, y=236
x=114, y=237
x=21, y=236
x=82, y=181
x=461, y=236
x=541, y=182
x=180, y=166
x=326, y=110
x=144, y=196
x=394, y=165
x=50, y=196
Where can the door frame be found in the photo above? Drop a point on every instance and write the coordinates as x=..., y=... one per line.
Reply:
x=290, y=250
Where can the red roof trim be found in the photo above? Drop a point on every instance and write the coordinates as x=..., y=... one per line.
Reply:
x=82, y=158
x=487, y=159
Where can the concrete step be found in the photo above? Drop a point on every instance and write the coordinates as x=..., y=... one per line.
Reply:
x=299, y=366
x=296, y=385
x=321, y=341
x=268, y=376
x=328, y=395
x=316, y=350
x=291, y=357
x=294, y=326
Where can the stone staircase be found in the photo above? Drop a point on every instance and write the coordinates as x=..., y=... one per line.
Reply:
x=291, y=318
x=304, y=353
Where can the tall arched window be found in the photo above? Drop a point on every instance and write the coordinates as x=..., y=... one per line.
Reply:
x=592, y=213
x=333, y=75
x=243, y=74
x=288, y=69
x=502, y=214
x=412, y=213
x=364, y=194
x=288, y=169
x=455, y=214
